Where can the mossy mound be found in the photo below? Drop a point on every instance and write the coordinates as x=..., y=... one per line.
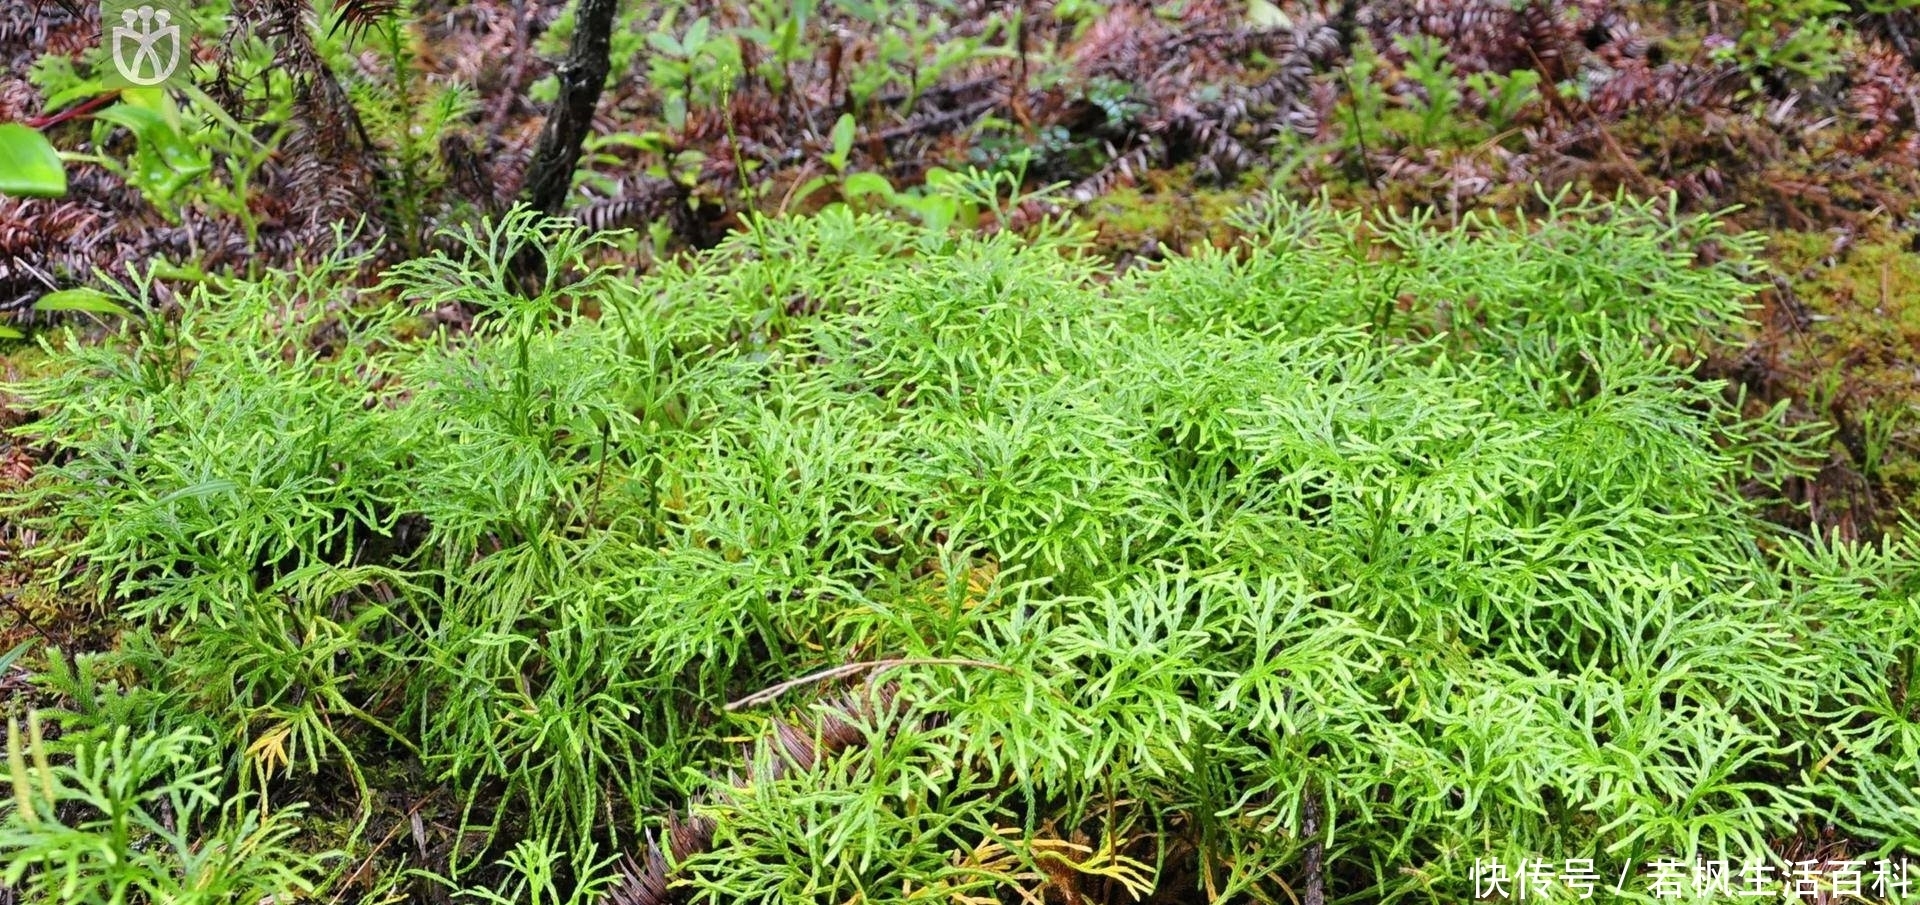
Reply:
x=1416, y=546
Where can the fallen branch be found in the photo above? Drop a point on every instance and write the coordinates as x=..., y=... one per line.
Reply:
x=848, y=669
x=647, y=879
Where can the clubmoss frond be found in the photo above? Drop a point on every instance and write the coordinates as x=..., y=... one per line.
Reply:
x=1418, y=544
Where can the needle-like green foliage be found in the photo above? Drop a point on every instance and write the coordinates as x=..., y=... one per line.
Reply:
x=136, y=818
x=1433, y=533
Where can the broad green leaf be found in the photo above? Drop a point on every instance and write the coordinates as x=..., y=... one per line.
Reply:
x=1264, y=15
x=842, y=141
x=160, y=132
x=90, y=300
x=665, y=43
x=7, y=659
x=167, y=270
x=808, y=188
x=789, y=39
x=640, y=141
x=859, y=184
x=28, y=163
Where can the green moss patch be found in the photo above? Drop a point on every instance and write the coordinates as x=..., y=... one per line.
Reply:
x=1417, y=545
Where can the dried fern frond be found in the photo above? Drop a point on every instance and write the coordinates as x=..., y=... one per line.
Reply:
x=789, y=746
x=359, y=15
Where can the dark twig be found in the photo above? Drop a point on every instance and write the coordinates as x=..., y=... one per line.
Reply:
x=647, y=878
x=1316, y=893
x=1359, y=131
x=20, y=613
x=382, y=844
x=848, y=669
x=582, y=75
x=82, y=109
x=936, y=122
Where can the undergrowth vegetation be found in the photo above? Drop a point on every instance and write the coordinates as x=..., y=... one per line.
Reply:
x=1367, y=543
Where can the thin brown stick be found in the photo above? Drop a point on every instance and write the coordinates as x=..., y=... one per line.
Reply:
x=1359, y=131
x=847, y=669
x=406, y=821
x=1316, y=869
x=20, y=613
x=1556, y=103
x=936, y=122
